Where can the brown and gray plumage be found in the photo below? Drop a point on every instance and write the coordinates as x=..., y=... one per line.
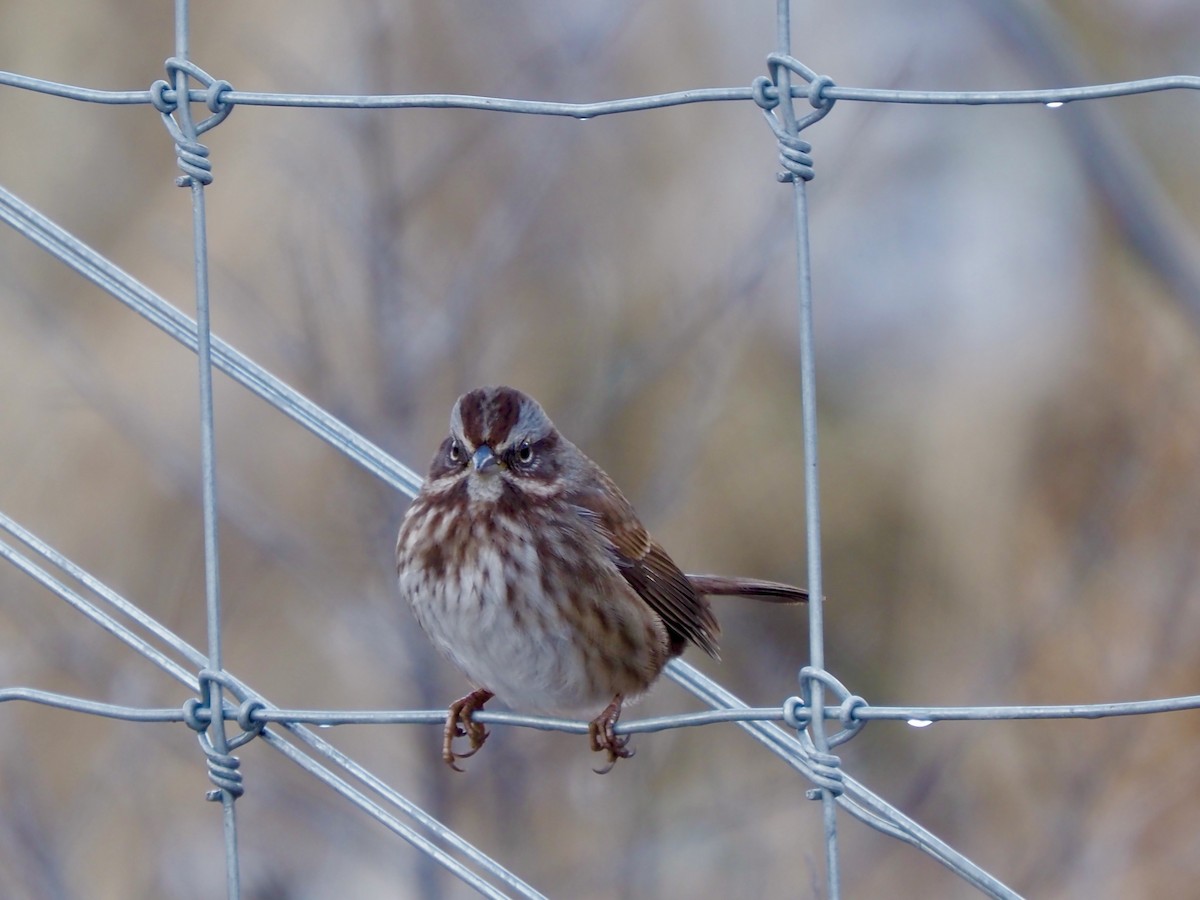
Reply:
x=530, y=571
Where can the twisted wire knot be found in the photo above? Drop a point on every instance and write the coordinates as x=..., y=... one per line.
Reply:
x=797, y=713
x=222, y=771
x=826, y=767
x=197, y=713
x=794, y=153
x=192, y=156
x=795, y=157
x=826, y=770
x=848, y=703
x=763, y=90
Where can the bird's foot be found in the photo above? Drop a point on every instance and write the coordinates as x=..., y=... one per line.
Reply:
x=600, y=731
x=459, y=723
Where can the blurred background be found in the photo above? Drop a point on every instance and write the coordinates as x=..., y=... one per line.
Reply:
x=1007, y=303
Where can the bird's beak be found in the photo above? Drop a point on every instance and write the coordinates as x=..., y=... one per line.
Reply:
x=484, y=459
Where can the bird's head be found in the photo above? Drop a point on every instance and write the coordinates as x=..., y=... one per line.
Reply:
x=500, y=438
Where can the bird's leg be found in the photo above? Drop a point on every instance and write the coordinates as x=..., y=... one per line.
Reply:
x=600, y=730
x=460, y=724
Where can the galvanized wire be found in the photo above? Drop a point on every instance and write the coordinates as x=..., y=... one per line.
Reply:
x=787, y=125
x=807, y=746
x=108, y=609
x=193, y=160
x=604, y=107
x=854, y=797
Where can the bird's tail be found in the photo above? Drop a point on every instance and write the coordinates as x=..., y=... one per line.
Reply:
x=770, y=591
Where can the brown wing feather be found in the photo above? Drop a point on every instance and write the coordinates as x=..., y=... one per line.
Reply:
x=647, y=567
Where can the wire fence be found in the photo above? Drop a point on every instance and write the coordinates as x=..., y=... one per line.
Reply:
x=226, y=713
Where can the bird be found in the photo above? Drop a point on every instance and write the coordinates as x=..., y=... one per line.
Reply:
x=530, y=571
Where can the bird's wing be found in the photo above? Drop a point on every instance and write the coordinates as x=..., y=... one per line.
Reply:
x=647, y=567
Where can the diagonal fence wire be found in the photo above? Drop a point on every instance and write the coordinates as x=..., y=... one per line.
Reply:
x=156, y=310
x=810, y=755
x=855, y=798
x=109, y=620
x=868, y=806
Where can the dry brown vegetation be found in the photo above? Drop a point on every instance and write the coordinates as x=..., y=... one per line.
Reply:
x=1009, y=375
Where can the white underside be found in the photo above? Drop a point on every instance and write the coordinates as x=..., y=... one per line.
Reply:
x=534, y=667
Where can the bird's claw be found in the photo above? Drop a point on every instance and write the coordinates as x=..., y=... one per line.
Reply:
x=459, y=723
x=603, y=736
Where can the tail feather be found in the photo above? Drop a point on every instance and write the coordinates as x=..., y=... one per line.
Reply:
x=770, y=591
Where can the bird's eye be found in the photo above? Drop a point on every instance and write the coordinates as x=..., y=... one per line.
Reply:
x=455, y=452
x=525, y=453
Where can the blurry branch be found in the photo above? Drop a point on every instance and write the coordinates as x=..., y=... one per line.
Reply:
x=1115, y=169
x=26, y=843
x=174, y=460
x=632, y=368
x=712, y=347
x=411, y=347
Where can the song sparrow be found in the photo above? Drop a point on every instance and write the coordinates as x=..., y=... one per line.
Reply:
x=530, y=571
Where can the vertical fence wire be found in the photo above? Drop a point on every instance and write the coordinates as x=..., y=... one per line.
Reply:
x=213, y=741
x=812, y=474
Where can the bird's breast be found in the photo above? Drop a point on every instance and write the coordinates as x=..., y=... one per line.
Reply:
x=531, y=607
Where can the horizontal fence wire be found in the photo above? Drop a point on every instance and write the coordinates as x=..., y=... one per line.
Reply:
x=284, y=729
x=606, y=107
x=916, y=716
